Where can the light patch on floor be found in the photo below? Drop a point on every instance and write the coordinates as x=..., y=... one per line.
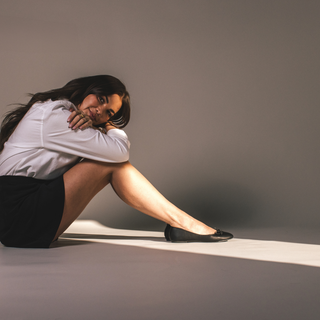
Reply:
x=274, y=251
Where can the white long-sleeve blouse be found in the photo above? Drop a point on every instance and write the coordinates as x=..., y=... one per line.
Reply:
x=44, y=147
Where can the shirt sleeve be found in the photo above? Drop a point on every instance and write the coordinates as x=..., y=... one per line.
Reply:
x=88, y=143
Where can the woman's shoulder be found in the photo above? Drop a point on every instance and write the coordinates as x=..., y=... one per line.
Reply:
x=53, y=105
x=49, y=109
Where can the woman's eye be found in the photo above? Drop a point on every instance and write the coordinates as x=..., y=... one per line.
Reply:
x=101, y=100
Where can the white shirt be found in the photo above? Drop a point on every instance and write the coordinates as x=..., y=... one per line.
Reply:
x=44, y=147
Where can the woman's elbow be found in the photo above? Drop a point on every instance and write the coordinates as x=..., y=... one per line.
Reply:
x=122, y=153
x=124, y=157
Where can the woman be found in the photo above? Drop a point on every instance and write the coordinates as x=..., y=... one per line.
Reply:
x=43, y=184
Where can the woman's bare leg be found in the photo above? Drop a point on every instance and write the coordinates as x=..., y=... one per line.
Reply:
x=86, y=179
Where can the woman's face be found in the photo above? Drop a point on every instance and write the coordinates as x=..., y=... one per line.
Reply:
x=100, y=108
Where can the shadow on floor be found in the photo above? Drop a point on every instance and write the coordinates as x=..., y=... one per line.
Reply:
x=68, y=242
x=106, y=237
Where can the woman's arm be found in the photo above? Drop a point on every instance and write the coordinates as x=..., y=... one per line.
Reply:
x=112, y=146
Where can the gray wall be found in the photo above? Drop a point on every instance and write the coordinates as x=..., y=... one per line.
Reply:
x=225, y=97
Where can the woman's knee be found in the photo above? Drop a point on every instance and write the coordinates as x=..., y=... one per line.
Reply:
x=122, y=167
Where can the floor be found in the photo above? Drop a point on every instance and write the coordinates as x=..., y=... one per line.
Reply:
x=95, y=272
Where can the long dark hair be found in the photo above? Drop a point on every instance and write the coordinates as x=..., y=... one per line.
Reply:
x=75, y=91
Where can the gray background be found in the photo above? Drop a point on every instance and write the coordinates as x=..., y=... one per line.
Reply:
x=225, y=97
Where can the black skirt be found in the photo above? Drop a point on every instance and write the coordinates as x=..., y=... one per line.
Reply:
x=30, y=211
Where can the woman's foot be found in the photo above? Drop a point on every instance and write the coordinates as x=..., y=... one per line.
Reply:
x=179, y=235
x=194, y=226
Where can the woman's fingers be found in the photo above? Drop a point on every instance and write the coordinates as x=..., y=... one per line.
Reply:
x=86, y=124
x=78, y=120
x=72, y=115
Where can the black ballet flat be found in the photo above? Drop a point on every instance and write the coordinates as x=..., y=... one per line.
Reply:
x=179, y=235
x=167, y=232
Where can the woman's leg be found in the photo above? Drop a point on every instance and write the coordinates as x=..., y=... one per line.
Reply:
x=87, y=178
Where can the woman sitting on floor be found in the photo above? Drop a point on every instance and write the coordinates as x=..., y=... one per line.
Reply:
x=60, y=149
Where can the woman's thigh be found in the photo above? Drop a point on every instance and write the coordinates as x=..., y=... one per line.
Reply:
x=82, y=182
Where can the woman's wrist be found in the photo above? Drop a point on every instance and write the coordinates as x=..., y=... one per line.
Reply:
x=109, y=127
x=104, y=129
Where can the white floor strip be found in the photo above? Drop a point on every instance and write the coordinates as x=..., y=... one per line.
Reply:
x=274, y=251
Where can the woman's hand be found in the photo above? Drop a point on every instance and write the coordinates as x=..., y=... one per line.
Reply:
x=78, y=120
x=109, y=126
